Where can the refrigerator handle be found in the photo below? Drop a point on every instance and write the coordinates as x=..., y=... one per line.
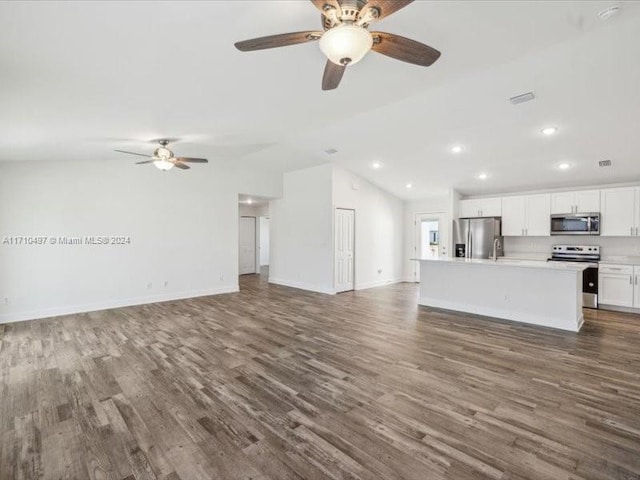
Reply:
x=470, y=244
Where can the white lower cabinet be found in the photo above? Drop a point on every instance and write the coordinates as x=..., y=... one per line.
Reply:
x=618, y=285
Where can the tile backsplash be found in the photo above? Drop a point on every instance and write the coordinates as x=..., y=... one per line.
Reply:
x=609, y=246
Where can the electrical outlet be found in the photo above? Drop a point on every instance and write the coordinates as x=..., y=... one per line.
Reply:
x=149, y=285
x=222, y=278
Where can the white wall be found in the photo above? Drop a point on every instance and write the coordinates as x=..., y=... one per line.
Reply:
x=437, y=204
x=302, y=252
x=378, y=232
x=301, y=231
x=183, y=228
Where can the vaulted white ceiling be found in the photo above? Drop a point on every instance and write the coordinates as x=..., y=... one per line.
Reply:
x=80, y=79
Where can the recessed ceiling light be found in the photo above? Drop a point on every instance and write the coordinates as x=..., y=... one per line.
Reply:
x=482, y=176
x=607, y=13
x=457, y=149
x=377, y=164
x=549, y=130
x=564, y=166
x=409, y=185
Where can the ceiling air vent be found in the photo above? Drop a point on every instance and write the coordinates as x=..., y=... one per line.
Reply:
x=525, y=97
x=604, y=163
x=330, y=151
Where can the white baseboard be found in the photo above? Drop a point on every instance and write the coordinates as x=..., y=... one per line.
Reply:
x=302, y=286
x=381, y=283
x=127, y=302
x=519, y=317
x=615, y=308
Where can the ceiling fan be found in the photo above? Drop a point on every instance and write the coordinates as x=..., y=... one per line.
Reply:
x=164, y=159
x=346, y=38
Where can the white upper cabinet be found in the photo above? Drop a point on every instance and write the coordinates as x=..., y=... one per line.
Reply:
x=562, y=202
x=581, y=201
x=538, y=215
x=490, y=207
x=514, y=216
x=619, y=212
x=468, y=208
x=480, y=207
x=526, y=215
x=588, y=201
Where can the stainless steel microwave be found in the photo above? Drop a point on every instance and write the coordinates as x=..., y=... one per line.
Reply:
x=575, y=224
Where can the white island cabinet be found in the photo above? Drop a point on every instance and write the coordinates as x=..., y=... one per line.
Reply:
x=536, y=292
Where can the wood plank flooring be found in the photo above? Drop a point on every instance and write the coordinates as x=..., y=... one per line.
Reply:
x=276, y=383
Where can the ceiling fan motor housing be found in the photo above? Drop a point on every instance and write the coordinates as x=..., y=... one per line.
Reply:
x=349, y=12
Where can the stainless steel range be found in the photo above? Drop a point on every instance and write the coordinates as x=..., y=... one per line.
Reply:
x=589, y=254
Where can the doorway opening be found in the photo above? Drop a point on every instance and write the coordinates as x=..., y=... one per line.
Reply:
x=431, y=238
x=253, y=235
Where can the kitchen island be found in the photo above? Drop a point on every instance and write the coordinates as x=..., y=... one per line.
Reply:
x=528, y=291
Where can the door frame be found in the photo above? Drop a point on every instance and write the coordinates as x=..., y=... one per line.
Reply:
x=353, y=273
x=256, y=250
x=443, y=227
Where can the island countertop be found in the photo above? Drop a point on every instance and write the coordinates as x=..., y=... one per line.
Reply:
x=537, y=292
x=508, y=262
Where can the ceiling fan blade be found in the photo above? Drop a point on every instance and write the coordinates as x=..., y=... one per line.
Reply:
x=132, y=153
x=320, y=5
x=181, y=165
x=145, y=161
x=404, y=49
x=281, y=40
x=192, y=160
x=385, y=7
x=332, y=75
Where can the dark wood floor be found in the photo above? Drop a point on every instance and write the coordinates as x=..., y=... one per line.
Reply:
x=276, y=383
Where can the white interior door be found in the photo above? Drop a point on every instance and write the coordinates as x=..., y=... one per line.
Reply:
x=431, y=238
x=345, y=242
x=247, y=249
x=264, y=241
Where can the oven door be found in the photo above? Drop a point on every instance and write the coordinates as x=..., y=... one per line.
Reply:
x=581, y=224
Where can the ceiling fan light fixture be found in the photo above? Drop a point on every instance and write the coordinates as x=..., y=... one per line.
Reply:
x=163, y=164
x=163, y=153
x=346, y=44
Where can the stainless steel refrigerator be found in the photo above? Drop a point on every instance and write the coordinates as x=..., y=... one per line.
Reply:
x=474, y=237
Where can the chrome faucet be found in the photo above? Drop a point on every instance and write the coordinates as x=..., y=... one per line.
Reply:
x=496, y=246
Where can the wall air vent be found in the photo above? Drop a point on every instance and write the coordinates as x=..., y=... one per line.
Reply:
x=330, y=151
x=605, y=163
x=525, y=97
